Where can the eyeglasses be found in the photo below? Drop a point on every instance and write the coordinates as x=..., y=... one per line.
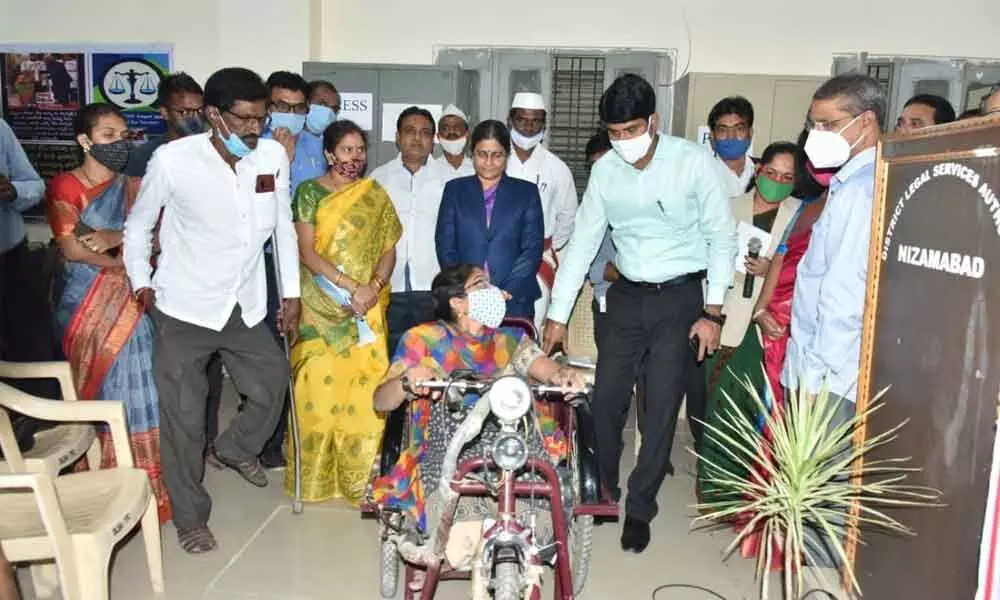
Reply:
x=826, y=125
x=246, y=121
x=283, y=107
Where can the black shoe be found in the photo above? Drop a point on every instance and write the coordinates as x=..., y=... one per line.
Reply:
x=273, y=458
x=635, y=535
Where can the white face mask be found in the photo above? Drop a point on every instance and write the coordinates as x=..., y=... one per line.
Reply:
x=829, y=149
x=453, y=147
x=633, y=149
x=487, y=306
x=524, y=142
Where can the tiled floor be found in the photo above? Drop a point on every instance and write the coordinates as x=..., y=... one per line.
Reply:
x=268, y=553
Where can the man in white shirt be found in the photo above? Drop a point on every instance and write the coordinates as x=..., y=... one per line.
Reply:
x=415, y=182
x=223, y=195
x=535, y=163
x=731, y=125
x=453, y=136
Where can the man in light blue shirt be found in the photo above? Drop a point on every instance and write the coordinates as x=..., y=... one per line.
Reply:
x=825, y=333
x=671, y=223
x=20, y=189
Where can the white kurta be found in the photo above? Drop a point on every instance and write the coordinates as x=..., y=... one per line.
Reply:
x=463, y=170
x=559, y=203
x=416, y=197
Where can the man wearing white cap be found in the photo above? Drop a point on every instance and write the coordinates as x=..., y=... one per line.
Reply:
x=453, y=136
x=535, y=163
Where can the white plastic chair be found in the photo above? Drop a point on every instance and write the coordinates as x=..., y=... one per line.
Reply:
x=75, y=519
x=64, y=444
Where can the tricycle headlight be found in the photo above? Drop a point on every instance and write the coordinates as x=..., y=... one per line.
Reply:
x=510, y=398
x=510, y=452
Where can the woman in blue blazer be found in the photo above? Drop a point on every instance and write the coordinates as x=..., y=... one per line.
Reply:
x=494, y=221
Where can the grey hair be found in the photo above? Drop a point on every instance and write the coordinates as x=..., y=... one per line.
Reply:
x=994, y=89
x=861, y=92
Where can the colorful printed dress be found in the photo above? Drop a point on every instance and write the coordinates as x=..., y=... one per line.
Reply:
x=442, y=348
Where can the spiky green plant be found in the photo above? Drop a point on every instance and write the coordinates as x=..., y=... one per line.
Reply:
x=797, y=479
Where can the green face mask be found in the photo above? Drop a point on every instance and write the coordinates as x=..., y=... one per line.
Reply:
x=773, y=191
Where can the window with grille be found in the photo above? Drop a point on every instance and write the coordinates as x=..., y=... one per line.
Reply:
x=577, y=85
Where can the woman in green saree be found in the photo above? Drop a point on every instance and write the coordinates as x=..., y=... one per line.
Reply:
x=347, y=230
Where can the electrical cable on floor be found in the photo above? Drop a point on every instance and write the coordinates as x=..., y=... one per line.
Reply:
x=687, y=586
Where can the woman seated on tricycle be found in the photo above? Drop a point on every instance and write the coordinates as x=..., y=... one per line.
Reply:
x=466, y=336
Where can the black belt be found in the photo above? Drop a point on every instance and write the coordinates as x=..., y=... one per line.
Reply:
x=676, y=281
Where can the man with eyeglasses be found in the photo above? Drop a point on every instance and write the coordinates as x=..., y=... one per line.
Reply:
x=731, y=129
x=534, y=162
x=824, y=347
x=991, y=102
x=223, y=196
x=180, y=100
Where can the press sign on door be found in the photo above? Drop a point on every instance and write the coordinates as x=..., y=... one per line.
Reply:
x=357, y=107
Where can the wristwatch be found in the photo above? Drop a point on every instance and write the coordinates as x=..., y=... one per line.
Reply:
x=719, y=320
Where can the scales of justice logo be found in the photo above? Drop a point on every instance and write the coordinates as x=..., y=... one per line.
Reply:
x=131, y=83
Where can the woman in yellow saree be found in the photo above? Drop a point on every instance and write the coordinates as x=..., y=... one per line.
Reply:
x=347, y=230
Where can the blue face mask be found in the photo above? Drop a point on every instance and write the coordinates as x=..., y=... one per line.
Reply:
x=290, y=121
x=732, y=148
x=319, y=118
x=234, y=144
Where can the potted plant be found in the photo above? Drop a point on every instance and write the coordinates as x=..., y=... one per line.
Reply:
x=789, y=482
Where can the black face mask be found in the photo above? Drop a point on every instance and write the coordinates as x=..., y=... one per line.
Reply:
x=114, y=156
x=190, y=125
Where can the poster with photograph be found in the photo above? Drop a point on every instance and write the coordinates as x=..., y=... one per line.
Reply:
x=41, y=93
x=130, y=81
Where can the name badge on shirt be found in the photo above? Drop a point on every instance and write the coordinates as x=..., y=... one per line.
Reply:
x=602, y=304
x=265, y=183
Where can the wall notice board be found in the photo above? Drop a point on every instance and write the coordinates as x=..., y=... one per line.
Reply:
x=932, y=337
x=43, y=85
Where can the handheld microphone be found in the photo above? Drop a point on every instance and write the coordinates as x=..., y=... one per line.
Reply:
x=753, y=251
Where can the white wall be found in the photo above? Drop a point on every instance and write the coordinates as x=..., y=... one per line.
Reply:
x=728, y=36
x=795, y=37
x=207, y=34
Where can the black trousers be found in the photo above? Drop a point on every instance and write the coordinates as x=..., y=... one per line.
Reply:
x=651, y=324
x=406, y=310
x=601, y=333
x=259, y=369
x=26, y=325
x=273, y=447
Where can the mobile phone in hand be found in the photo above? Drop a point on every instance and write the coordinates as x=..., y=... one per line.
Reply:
x=695, y=342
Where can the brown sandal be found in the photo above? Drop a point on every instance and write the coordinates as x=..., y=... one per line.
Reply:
x=196, y=541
